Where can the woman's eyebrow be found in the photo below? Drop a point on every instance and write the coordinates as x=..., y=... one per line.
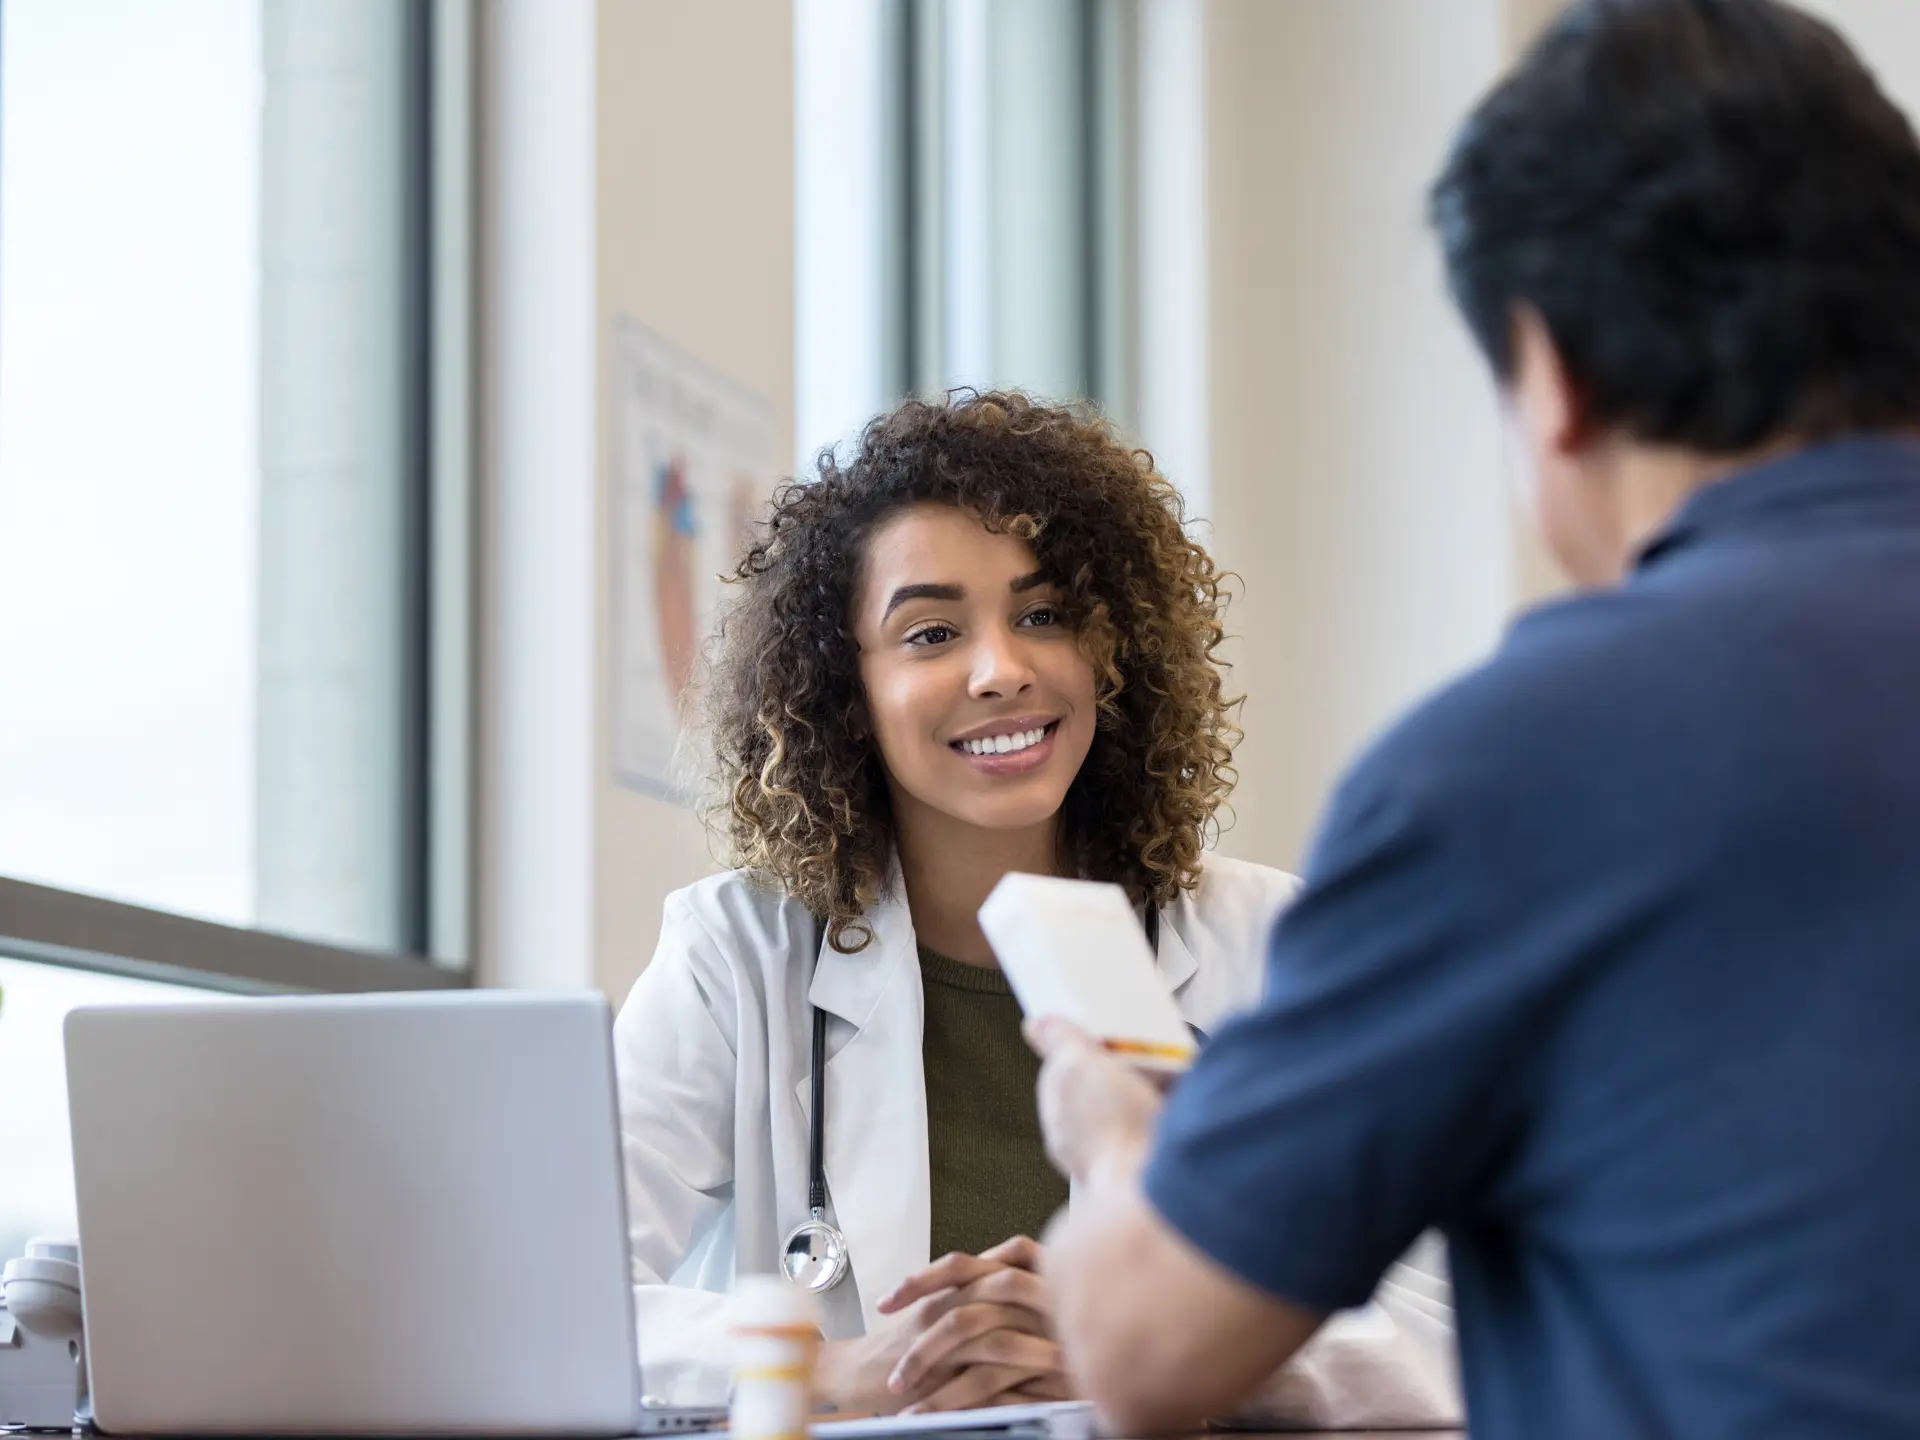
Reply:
x=958, y=593
x=924, y=592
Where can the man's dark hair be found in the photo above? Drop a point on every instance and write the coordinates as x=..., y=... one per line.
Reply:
x=1715, y=211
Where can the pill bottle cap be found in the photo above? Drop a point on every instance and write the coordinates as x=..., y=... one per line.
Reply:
x=768, y=1302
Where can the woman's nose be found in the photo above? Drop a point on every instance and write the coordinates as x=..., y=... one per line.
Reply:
x=1000, y=668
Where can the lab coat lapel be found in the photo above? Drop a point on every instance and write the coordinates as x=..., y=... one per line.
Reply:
x=1174, y=961
x=876, y=1134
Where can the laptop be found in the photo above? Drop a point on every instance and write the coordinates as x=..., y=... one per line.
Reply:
x=395, y=1214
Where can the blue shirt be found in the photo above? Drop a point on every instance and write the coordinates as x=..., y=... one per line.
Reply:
x=1608, y=965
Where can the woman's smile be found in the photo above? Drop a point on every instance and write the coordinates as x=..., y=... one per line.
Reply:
x=1013, y=747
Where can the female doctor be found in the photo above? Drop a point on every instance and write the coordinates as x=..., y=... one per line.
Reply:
x=985, y=645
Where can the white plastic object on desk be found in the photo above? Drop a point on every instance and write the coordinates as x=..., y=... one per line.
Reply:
x=43, y=1289
x=43, y=1366
x=776, y=1340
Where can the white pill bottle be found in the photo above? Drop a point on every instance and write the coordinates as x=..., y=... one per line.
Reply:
x=776, y=1340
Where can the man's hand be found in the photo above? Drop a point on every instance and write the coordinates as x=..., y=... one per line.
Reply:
x=1096, y=1112
x=984, y=1333
x=1161, y=1336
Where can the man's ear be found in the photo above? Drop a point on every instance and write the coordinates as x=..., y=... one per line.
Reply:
x=1545, y=394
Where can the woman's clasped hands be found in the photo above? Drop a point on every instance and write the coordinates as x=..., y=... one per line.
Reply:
x=967, y=1331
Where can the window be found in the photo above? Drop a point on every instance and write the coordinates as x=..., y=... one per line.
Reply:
x=948, y=192
x=234, y=515
x=1003, y=193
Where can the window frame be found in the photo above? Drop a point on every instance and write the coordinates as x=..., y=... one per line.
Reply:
x=76, y=930
x=85, y=932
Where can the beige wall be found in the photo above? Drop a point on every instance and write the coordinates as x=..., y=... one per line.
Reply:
x=1356, y=461
x=695, y=239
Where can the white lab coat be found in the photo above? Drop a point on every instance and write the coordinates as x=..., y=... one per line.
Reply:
x=712, y=1050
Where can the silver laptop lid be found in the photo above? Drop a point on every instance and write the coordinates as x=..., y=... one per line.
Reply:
x=367, y=1214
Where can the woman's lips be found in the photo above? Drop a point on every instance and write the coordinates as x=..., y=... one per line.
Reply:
x=1013, y=762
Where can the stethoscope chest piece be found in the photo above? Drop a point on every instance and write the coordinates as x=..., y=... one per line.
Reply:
x=815, y=1254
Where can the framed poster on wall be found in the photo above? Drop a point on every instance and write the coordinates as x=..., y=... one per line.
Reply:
x=692, y=467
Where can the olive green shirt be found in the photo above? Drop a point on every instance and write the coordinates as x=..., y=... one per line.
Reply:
x=990, y=1175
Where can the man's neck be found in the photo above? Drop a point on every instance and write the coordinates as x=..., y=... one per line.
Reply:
x=1651, y=483
x=951, y=867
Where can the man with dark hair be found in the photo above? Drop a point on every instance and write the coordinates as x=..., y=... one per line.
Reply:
x=1608, y=963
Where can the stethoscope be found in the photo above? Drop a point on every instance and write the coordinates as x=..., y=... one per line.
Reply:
x=815, y=1256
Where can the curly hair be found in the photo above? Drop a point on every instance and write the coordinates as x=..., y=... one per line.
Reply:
x=803, y=799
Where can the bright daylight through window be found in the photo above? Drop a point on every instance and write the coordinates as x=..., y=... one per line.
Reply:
x=216, y=461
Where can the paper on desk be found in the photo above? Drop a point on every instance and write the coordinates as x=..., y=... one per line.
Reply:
x=1075, y=949
x=1056, y=1419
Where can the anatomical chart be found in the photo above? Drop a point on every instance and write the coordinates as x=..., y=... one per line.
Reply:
x=692, y=470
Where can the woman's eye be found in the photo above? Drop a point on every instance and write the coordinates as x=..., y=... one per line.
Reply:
x=1041, y=616
x=932, y=635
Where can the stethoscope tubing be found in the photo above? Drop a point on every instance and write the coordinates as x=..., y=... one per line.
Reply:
x=817, y=1119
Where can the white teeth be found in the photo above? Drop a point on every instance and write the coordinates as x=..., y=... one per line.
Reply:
x=1003, y=744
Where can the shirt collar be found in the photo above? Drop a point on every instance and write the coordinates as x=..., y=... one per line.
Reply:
x=1865, y=480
